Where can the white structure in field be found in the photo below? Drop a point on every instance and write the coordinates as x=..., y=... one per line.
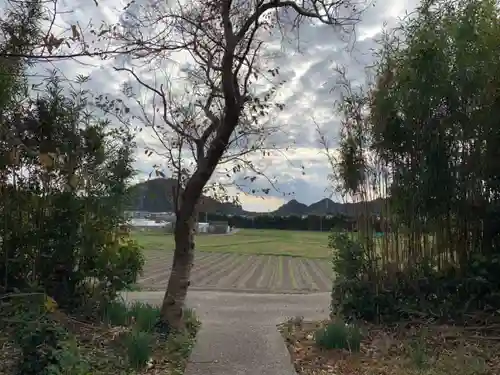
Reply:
x=203, y=227
x=165, y=226
x=165, y=221
x=146, y=224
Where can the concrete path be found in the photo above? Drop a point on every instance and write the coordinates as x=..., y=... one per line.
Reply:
x=239, y=334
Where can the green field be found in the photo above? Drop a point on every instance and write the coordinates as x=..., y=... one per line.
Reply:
x=247, y=241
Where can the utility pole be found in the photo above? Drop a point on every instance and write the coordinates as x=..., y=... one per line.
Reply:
x=326, y=203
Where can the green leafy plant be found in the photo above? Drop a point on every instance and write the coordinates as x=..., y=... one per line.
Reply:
x=144, y=316
x=139, y=346
x=116, y=313
x=352, y=292
x=70, y=361
x=401, y=156
x=78, y=237
x=418, y=352
x=191, y=321
x=46, y=347
x=180, y=345
x=339, y=335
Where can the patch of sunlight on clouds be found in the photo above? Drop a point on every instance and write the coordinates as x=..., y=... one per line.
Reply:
x=258, y=204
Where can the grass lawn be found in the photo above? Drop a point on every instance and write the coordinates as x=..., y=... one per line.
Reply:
x=248, y=241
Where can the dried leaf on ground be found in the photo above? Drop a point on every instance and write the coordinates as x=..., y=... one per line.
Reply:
x=404, y=350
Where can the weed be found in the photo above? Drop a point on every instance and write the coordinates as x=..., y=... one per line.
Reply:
x=338, y=335
x=139, y=314
x=116, y=313
x=192, y=323
x=418, y=353
x=180, y=345
x=144, y=316
x=139, y=346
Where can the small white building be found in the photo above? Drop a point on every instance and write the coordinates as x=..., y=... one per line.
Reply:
x=164, y=226
x=203, y=227
x=146, y=224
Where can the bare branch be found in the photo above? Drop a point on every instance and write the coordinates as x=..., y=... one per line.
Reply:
x=222, y=117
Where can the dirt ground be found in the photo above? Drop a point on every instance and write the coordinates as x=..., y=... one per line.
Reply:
x=230, y=271
x=418, y=349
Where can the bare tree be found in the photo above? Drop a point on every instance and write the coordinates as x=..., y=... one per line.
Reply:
x=57, y=40
x=224, y=116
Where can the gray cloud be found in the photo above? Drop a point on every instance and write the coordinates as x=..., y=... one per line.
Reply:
x=308, y=94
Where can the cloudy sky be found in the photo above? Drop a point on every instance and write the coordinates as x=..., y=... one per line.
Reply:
x=307, y=95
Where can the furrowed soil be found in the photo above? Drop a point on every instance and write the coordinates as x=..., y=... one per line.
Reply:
x=230, y=271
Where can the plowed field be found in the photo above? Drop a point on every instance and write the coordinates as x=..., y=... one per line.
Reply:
x=231, y=271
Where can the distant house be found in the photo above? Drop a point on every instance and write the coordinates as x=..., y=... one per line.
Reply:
x=202, y=228
x=148, y=225
x=136, y=214
x=218, y=227
x=164, y=216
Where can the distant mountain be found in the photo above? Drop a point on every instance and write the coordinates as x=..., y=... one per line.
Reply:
x=292, y=208
x=156, y=196
x=328, y=207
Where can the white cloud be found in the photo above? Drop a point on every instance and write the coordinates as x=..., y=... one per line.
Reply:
x=307, y=94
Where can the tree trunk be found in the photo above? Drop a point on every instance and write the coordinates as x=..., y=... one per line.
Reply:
x=178, y=283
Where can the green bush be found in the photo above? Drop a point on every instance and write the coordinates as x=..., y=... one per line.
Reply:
x=180, y=345
x=65, y=227
x=116, y=313
x=339, y=335
x=350, y=296
x=139, y=348
x=144, y=316
x=46, y=347
x=118, y=267
x=140, y=315
x=192, y=323
x=364, y=290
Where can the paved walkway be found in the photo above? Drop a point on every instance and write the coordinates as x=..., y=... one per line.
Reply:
x=239, y=334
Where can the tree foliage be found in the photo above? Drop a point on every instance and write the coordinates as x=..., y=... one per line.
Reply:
x=426, y=135
x=434, y=120
x=64, y=192
x=63, y=176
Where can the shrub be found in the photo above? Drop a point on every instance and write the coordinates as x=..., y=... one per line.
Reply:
x=139, y=348
x=192, y=323
x=40, y=344
x=144, y=316
x=140, y=315
x=65, y=228
x=180, y=345
x=339, y=335
x=366, y=289
x=116, y=313
x=46, y=347
x=122, y=265
x=352, y=295
x=418, y=353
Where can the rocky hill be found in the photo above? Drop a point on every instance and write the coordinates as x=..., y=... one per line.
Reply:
x=156, y=196
x=328, y=207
